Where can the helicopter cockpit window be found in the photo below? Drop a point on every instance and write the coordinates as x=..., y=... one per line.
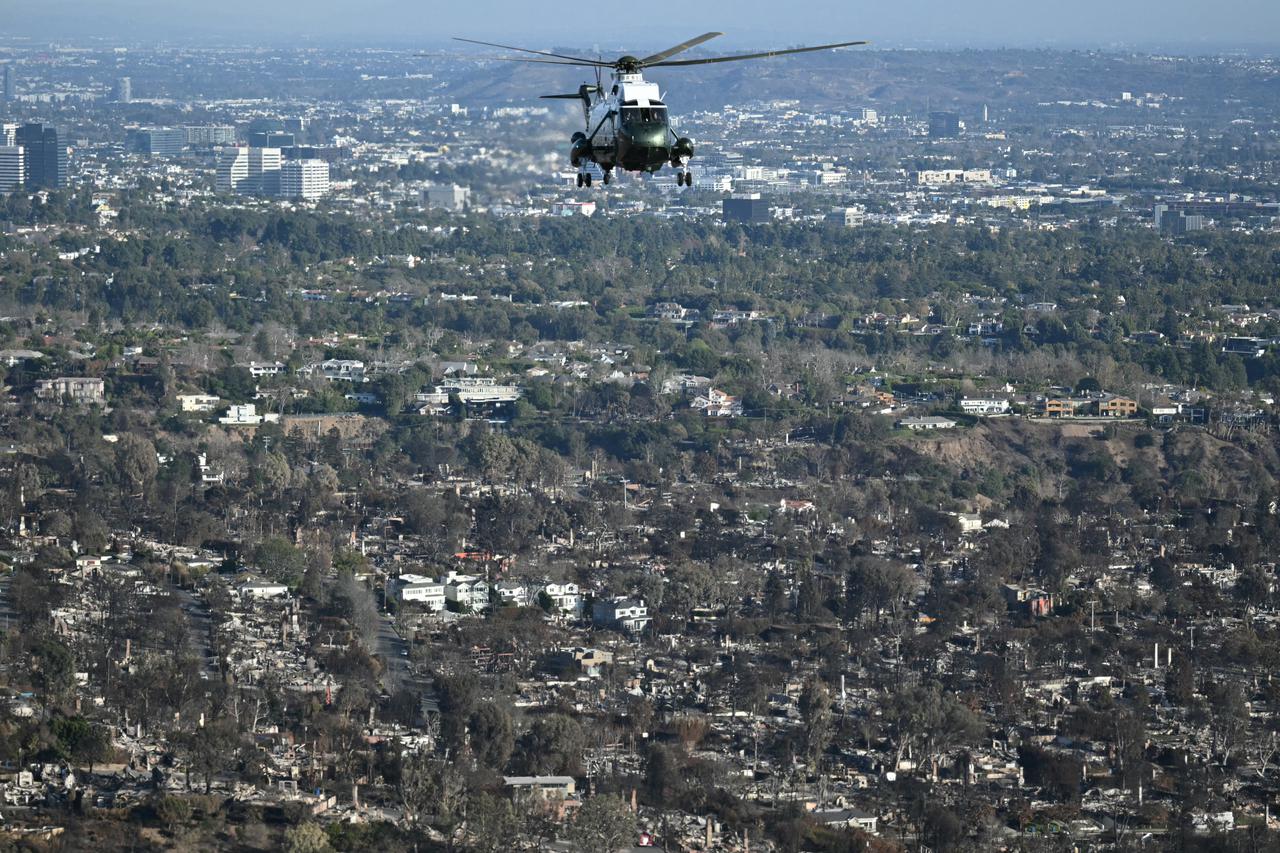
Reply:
x=651, y=113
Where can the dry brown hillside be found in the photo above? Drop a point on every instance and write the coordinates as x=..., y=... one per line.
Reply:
x=1241, y=468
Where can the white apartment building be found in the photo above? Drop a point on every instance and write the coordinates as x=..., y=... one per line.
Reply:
x=210, y=135
x=73, y=388
x=940, y=177
x=198, y=402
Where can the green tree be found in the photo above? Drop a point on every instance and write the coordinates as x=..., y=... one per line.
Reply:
x=306, y=838
x=602, y=824
x=493, y=824
x=815, y=719
x=82, y=742
x=553, y=745
x=173, y=811
x=492, y=735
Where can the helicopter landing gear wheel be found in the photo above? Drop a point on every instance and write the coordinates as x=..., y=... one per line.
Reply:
x=587, y=178
x=608, y=175
x=580, y=180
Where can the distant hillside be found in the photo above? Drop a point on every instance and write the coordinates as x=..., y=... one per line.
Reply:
x=909, y=81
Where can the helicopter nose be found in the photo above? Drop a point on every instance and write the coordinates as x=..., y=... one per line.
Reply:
x=647, y=137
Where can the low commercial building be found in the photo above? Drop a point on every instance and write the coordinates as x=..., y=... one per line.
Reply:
x=523, y=788
x=258, y=588
x=926, y=424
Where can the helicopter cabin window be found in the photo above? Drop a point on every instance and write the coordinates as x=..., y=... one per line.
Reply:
x=652, y=111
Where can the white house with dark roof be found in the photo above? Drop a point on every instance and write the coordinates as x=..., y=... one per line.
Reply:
x=621, y=614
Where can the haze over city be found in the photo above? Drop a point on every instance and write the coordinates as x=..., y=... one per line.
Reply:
x=1187, y=24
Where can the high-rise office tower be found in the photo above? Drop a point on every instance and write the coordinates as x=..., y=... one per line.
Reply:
x=233, y=169
x=307, y=179
x=270, y=139
x=264, y=171
x=46, y=156
x=208, y=135
x=10, y=85
x=749, y=208
x=123, y=93
x=12, y=168
x=446, y=197
x=944, y=125
x=161, y=141
x=8, y=134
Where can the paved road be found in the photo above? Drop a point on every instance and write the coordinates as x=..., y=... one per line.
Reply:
x=199, y=628
x=394, y=651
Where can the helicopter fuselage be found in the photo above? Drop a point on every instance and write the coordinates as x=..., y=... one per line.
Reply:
x=628, y=128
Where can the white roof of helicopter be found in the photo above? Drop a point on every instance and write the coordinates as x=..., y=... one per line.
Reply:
x=633, y=87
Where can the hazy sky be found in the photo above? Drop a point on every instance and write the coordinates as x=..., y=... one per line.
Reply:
x=1204, y=24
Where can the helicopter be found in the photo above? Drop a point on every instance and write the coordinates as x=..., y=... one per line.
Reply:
x=628, y=126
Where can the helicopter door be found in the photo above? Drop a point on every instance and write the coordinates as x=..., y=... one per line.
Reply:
x=603, y=124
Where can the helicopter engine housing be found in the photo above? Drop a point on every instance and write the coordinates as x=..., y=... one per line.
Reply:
x=580, y=148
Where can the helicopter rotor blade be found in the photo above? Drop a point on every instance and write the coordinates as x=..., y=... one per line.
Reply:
x=548, y=61
x=574, y=59
x=680, y=48
x=766, y=54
